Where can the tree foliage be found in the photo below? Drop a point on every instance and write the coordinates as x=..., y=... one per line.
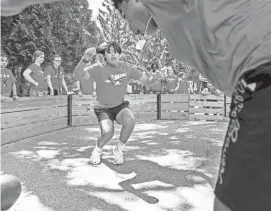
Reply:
x=63, y=28
x=156, y=50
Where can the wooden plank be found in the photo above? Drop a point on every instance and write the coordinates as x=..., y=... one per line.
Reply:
x=142, y=116
x=174, y=115
x=135, y=98
x=218, y=104
x=141, y=97
x=196, y=117
x=15, y=119
x=207, y=97
x=83, y=101
x=89, y=110
x=207, y=110
x=174, y=106
x=142, y=101
x=144, y=107
x=178, y=98
x=21, y=132
x=83, y=111
x=84, y=120
x=92, y=120
x=33, y=104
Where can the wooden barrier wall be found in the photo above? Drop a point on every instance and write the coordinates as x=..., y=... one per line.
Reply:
x=144, y=108
x=164, y=107
x=32, y=116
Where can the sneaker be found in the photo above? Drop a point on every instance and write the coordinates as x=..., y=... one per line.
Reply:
x=95, y=157
x=118, y=156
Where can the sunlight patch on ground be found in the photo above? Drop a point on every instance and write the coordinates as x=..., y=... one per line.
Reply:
x=178, y=159
x=126, y=201
x=99, y=176
x=217, y=130
x=24, y=154
x=39, y=155
x=151, y=126
x=92, y=129
x=152, y=143
x=50, y=143
x=47, y=154
x=192, y=123
x=152, y=184
x=173, y=137
x=67, y=164
x=82, y=149
x=182, y=130
x=28, y=201
x=200, y=197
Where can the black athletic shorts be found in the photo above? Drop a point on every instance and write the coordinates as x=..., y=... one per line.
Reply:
x=244, y=179
x=110, y=113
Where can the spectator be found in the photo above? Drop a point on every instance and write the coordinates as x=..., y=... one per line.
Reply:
x=172, y=82
x=35, y=75
x=8, y=81
x=55, y=77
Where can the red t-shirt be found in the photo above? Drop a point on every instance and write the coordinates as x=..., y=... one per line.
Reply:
x=111, y=94
x=38, y=75
x=7, y=79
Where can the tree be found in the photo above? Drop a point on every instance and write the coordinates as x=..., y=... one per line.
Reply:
x=63, y=28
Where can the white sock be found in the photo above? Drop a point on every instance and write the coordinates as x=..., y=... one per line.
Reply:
x=97, y=149
x=120, y=146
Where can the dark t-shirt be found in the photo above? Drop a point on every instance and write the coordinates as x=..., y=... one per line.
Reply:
x=38, y=76
x=57, y=75
x=7, y=79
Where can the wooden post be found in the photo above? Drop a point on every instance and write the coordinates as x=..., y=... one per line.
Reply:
x=69, y=115
x=159, y=106
x=225, y=107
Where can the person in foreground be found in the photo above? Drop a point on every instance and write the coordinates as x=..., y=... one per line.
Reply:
x=229, y=42
x=10, y=190
x=111, y=80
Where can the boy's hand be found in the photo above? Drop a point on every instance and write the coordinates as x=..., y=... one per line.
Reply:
x=89, y=53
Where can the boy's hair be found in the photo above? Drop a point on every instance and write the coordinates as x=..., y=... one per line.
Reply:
x=117, y=3
x=113, y=44
x=37, y=54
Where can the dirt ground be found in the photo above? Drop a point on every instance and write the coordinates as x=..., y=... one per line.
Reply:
x=169, y=166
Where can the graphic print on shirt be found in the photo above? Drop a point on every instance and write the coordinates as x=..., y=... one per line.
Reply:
x=116, y=80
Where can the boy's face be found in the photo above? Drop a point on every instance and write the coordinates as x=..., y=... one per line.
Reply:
x=57, y=61
x=112, y=56
x=137, y=16
x=4, y=61
x=40, y=59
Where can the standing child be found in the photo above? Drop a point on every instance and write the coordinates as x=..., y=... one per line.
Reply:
x=8, y=81
x=111, y=80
